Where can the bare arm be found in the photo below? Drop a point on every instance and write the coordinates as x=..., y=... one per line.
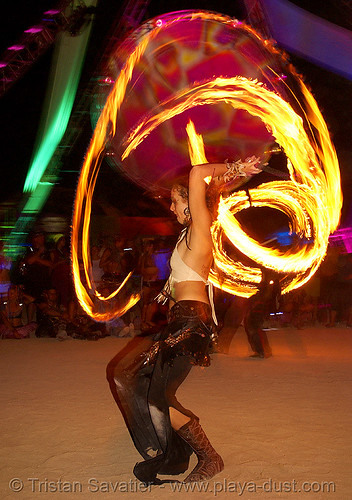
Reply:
x=221, y=172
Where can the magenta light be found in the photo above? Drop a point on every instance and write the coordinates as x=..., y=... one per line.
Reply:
x=52, y=12
x=343, y=234
x=16, y=47
x=3, y=65
x=34, y=29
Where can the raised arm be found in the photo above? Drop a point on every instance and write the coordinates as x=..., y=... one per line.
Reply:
x=222, y=173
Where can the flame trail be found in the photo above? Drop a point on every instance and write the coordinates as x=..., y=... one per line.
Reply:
x=311, y=198
x=83, y=201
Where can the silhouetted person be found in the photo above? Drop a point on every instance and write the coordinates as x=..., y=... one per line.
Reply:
x=230, y=312
x=37, y=266
x=259, y=306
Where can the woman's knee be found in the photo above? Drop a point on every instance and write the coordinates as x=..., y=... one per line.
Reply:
x=178, y=419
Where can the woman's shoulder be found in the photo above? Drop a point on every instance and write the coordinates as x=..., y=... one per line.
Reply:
x=195, y=251
x=199, y=240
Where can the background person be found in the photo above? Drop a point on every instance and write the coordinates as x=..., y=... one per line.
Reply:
x=15, y=315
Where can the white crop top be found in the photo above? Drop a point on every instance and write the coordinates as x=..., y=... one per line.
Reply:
x=180, y=271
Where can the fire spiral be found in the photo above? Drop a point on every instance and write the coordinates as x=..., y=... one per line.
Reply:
x=311, y=199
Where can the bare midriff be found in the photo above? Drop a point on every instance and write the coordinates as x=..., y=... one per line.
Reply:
x=190, y=290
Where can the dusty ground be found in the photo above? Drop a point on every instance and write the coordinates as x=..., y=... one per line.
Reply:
x=282, y=425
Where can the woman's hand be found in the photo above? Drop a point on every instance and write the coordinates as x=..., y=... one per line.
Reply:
x=250, y=166
x=239, y=168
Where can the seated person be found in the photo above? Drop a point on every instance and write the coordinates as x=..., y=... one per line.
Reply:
x=82, y=326
x=14, y=315
x=52, y=316
x=117, y=326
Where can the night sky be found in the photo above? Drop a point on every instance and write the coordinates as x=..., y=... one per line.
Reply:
x=21, y=106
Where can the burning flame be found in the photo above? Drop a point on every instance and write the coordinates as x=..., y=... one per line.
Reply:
x=311, y=198
x=83, y=202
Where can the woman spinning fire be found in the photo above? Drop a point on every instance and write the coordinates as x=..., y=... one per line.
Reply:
x=164, y=432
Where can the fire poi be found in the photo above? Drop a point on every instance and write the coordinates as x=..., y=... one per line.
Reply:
x=204, y=83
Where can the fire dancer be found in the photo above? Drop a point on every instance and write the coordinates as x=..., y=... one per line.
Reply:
x=164, y=432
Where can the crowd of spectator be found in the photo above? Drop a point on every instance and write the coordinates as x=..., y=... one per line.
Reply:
x=326, y=299
x=38, y=297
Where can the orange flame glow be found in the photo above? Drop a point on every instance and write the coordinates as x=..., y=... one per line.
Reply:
x=83, y=202
x=311, y=198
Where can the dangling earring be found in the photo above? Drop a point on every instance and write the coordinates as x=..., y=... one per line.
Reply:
x=187, y=215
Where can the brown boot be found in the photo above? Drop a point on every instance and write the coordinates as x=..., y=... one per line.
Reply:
x=209, y=462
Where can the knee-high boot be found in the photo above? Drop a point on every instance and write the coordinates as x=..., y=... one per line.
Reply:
x=209, y=461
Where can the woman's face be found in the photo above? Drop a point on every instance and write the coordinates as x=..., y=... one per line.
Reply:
x=178, y=206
